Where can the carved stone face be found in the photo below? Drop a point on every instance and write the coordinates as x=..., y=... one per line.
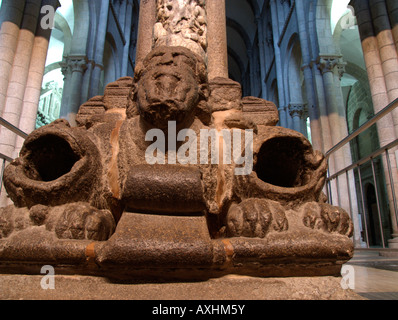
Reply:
x=169, y=86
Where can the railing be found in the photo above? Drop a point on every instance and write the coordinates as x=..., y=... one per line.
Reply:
x=355, y=170
x=4, y=158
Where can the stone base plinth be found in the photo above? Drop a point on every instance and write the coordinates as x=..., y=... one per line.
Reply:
x=231, y=287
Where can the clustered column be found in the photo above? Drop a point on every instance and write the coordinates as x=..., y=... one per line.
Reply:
x=278, y=63
x=381, y=59
x=24, y=46
x=74, y=70
x=309, y=83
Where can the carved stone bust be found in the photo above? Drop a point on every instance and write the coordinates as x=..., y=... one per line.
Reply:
x=89, y=194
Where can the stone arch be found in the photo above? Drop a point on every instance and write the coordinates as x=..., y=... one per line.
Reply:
x=62, y=24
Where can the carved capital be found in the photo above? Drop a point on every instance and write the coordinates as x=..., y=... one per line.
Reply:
x=77, y=63
x=341, y=68
x=73, y=64
x=331, y=63
x=65, y=69
x=327, y=63
x=296, y=110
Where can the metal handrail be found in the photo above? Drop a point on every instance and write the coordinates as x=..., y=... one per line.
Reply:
x=7, y=158
x=389, y=108
x=370, y=158
x=365, y=159
x=13, y=128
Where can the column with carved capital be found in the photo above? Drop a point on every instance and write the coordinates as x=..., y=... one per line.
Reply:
x=296, y=111
x=76, y=65
x=327, y=65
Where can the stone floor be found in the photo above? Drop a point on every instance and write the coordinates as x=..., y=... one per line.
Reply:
x=376, y=278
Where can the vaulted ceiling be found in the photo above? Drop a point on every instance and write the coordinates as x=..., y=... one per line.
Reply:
x=241, y=32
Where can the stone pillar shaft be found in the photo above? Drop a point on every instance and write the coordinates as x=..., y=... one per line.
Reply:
x=217, y=41
x=392, y=7
x=147, y=19
x=263, y=68
x=77, y=65
x=27, y=122
x=387, y=49
x=11, y=17
x=99, y=52
x=316, y=130
x=378, y=87
x=126, y=49
x=278, y=64
x=19, y=74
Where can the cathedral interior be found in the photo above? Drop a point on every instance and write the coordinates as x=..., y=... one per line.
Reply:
x=329, y=66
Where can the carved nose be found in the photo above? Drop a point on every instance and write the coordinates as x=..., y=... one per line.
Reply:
x=166, y=85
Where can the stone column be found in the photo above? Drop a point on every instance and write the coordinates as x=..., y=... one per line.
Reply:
x=375, y=70
x=387, y=49
x=217, y=54
x=129, y=17
x=380, y=98
x=278, y=64
x=67, y=72
x=261, y=40
x=147, y=20
x=250, y=55
x=19, y=74
x=10, y=19
x=99, y=51
x=392, y=8
x=31, y=97
x=78, y=65
x=327, y=65
x=296, y=111
x=316, y=130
